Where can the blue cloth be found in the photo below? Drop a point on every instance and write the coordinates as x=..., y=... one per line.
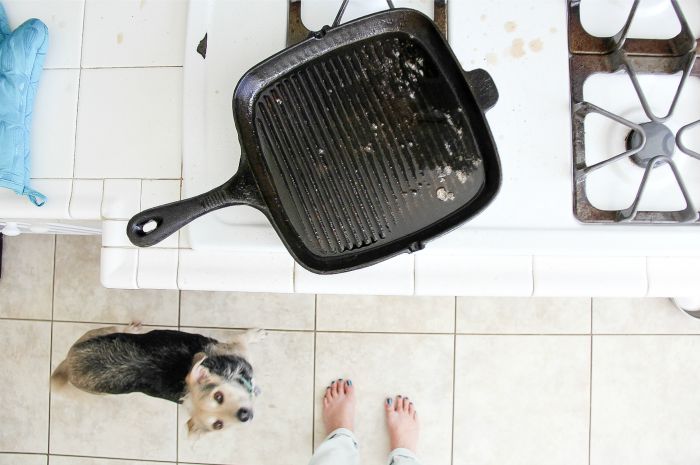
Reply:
x=22, y=54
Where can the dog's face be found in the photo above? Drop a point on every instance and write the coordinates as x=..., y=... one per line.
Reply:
x=216, y=400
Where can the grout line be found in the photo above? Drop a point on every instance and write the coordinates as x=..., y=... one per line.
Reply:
x=130, y=460
x=397, y=333
x=590, y=390
x=177, y=407
x=313, y=379
x=53, y=300
x=454, y=383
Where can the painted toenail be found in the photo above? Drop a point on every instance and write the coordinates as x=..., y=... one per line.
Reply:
x=340, y=379
x=332, y=382
x=388, y=401
x=349, y=382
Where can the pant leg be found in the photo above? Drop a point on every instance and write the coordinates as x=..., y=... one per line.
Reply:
x=339, y=448
x=403, y=457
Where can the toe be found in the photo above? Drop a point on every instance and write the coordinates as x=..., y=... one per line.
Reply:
x=411, y=409
x=406, y=404
x=341, y=386
x=389, y=404
x=398, y=403
x=327, y=395
x=349, y=389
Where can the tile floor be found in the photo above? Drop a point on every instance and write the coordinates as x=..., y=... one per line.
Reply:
x=497, y=380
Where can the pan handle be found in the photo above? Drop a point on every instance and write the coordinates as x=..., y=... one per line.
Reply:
x=482, y=86
x=155, y=224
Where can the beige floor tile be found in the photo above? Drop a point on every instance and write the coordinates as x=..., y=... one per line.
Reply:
x=645, y=404
x=280, y=433
x=27, y=277
x=24, y=385
x=380, y=365
x=641, y=316
x=521, y=400
x=385, y=314
x=523, y=315
x=125, y=426
x=22, y=459
x=79, y=296
x=247, y=310
x=67, y=460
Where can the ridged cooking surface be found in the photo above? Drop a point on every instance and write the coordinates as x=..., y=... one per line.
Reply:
x=367, y=144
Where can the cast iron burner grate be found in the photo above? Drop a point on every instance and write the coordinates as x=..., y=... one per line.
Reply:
x=649, y=144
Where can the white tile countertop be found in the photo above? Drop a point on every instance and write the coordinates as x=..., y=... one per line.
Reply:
x=107, y=142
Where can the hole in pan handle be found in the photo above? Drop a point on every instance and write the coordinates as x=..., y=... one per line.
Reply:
x=155, y=224
x=482, y=86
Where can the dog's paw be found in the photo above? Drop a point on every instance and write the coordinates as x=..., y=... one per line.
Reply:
x=134, y=327
x=256, y=334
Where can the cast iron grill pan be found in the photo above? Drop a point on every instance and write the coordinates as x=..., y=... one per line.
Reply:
x=359, y=150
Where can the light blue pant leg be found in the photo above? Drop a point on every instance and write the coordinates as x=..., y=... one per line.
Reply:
x=403, y=457
x=340, y=448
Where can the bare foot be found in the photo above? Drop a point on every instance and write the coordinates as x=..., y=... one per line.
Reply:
x=402, y=423
x=339, y=406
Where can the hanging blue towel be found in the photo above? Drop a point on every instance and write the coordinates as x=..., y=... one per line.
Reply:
x=22, y=54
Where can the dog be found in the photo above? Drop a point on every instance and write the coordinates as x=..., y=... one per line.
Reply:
x=213, y=379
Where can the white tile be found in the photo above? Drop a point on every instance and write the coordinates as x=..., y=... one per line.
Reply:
x=68, y=460
x=281, y=430
x=86, y=199
x=645, y=404
x=590, y=276
x=156, y=192
x=521, y=399
x=26, y=285
x=157, y=269
x=121, y=198
x=247, y=310
x=523, y=315
x=134, y=33
x=114, y=234
x=53, y=124
x=209, y=270
x=64, y=19
x=418, y=366
x=127, y=426
x=674, y=276
x=79, y=295
x=118, y=268
x=440, y=274
x=391, y=277
x=23, y=459
x=57, y=191
x=24, y=385
x=641, y=316
x=129, y=123
x=405, y=314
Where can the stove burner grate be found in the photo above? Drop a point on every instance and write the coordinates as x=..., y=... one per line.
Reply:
x=649, y=144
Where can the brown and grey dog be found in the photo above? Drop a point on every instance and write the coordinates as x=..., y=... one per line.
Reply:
x=213, y=379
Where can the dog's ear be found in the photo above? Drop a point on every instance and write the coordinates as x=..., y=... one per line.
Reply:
x=198, y=374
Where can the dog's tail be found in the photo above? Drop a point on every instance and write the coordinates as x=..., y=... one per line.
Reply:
x=59, y=377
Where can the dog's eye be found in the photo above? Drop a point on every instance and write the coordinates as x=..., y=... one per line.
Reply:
x=218, y=424
x=219, y=397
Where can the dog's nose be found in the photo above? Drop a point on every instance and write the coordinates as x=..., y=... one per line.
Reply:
x=244, y=414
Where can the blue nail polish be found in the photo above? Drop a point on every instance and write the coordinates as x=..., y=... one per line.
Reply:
x=388, y=401
x=349, y=382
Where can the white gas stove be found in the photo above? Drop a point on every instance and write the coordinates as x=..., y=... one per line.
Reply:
x=524, y=47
